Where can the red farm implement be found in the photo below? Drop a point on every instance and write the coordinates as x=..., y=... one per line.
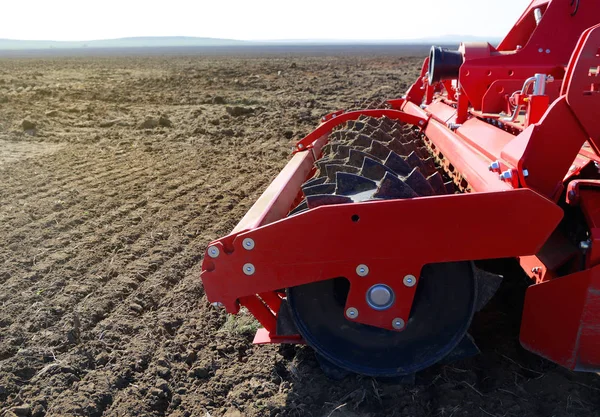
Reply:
x=497, y=149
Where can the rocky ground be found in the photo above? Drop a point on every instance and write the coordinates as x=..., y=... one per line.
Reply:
x=114, y=175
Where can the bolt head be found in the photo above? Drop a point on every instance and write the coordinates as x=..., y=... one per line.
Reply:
x=248, y=243
x=421, y=122
x=506, y=175
x=541, y=50
x=409, y=280
x=217, y=304
x=547, y=51
x=398, y=323
x=585, y=244
x=362, y=270
x=494, y=166
x=249, y=269
x=352, y=313
x=525, y=173
x=213, y=251
x=300, y=146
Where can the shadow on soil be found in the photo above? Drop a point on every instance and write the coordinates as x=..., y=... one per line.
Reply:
x=504, y=380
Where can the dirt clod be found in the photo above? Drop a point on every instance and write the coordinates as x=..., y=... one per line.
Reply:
x=27, y=125
x=237, y=111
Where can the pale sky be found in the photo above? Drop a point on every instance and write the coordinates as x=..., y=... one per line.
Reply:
x=256, y=19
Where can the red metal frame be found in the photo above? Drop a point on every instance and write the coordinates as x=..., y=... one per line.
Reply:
x=547, y=158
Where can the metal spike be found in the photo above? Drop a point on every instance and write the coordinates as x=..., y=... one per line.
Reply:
x=326, y=199
x=398, y=147
x=428, y=166
x=334, y=168
x=341, y=152
x=299, y=208
x=391, y=187
x=450, y=187
x=413, y=160
x=328, y=188
x=379, y=150
x=419, y=184
x=373, y=169
x=356, y=157
x=314, y=181
x=397, y=164
x=381, y=136
x=323, y=162
x=349, y=184
x=437, y=183
x=361, y=140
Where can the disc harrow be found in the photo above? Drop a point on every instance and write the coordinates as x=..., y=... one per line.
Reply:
x=367, y=246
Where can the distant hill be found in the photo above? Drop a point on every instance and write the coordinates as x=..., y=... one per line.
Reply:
x=137, y=42
x=185, y=41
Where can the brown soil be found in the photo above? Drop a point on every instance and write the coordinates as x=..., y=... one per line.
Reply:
x=106, y=207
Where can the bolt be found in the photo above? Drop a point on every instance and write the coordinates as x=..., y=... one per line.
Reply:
x=525, y=173
x=536, y=269
x=352, y=313
x=409, y=280
x=519, y=47
x=217, y=304
x=494, y=166
x=398, y=323
x=549, y=79
x=213, y=252
x=421, y=122
x=300, y=146
x=249, y=269
x=248, y=243
x=380, y=297
x=423, y=106
x=362, y=270
x=547, y=51
x=585, y=245
x=541, y=50
x=453, y=126
x=506, y=175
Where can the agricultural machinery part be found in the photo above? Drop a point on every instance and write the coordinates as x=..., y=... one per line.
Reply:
x=368, y=245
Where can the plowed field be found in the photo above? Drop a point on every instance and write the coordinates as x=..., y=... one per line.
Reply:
x=114, y=175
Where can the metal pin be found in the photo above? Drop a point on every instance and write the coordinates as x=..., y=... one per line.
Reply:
x=213, y=251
